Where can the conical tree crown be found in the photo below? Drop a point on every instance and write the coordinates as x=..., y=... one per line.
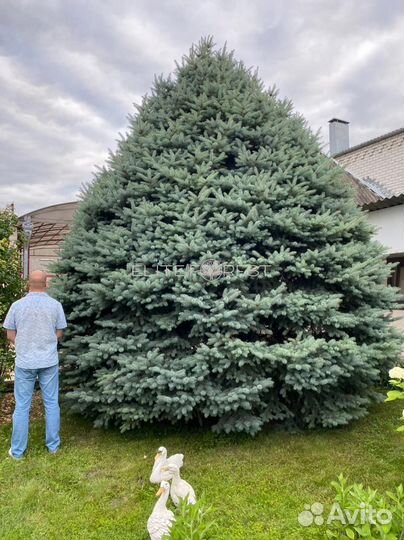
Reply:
x=219, y=268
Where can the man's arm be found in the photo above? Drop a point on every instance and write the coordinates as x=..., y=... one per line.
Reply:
x=60, y=323
x=11, y=336
x=10, y=325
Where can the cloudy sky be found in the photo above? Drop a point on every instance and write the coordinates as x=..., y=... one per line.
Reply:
x=70, y=71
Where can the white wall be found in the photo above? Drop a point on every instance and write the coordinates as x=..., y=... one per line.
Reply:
x=390, y=233
x=390, y=227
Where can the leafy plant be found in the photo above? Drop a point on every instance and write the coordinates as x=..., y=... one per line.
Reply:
x=360, y=512
x=193, y=522
x=397, y=380
x=11, y=282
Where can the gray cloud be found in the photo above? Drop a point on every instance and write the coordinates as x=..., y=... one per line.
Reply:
x=71, y=70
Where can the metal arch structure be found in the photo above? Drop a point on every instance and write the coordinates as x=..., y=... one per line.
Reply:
x=49, y=234
x=48, y=229
x=50, y=225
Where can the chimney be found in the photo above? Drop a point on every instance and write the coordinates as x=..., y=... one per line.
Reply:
x=339, y=136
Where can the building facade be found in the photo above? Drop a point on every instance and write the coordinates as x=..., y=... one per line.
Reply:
x=378, y=164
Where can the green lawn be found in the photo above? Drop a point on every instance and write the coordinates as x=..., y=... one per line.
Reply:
x=97, y=486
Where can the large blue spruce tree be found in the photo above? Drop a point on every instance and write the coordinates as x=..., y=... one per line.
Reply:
x=287, y=321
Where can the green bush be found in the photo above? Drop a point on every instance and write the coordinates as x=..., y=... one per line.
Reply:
x=369, y=511
x=11, y=283
x=193, y=522
x=7, y=359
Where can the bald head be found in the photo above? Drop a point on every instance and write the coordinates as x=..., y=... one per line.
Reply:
x=37, y=281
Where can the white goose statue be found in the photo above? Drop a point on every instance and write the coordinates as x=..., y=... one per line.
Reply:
x=161, y=519
x=180, y=489
x=161, y=460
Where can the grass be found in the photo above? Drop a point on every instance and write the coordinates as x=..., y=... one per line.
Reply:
x=97, y=487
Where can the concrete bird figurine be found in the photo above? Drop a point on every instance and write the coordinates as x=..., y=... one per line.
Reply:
x=161, y=460
x=180, y=489
x=161, y=519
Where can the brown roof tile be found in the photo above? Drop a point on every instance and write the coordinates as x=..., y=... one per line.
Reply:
x=364, y=194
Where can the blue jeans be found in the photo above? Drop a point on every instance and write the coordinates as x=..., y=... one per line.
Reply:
x=24, y=385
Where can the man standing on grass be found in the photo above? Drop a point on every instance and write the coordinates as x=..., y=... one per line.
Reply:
x=34, y=325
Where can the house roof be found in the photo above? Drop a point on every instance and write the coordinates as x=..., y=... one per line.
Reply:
x=378, y=162
x=365, y=194
x=370, y=141
x=385, y=203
